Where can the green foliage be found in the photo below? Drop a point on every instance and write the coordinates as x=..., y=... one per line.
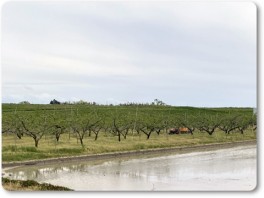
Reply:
x=84, y=120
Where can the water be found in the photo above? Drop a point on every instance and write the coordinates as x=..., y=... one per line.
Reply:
x=222, y=170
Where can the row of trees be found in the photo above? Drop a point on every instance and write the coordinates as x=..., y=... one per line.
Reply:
x=156, y=102
x=38, y=123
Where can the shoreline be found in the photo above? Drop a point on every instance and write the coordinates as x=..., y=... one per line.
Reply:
x=30, y=185
x=104, y=156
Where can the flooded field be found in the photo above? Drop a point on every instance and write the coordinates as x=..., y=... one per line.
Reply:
x=232, y=169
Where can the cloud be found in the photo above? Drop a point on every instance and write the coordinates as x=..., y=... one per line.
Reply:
x=130, y=51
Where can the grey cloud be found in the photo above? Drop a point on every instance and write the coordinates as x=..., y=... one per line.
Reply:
x=131, y=51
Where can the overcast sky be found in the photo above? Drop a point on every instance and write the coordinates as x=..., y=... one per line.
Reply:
x=185, y=54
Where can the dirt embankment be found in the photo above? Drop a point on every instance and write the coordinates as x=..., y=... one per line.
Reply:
x=103, y=156
x=29, y=185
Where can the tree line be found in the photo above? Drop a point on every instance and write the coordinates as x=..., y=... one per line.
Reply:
x=92, y=123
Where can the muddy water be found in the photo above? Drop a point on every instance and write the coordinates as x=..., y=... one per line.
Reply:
x=225, y=169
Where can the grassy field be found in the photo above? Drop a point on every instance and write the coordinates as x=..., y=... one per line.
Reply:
x=14, y=149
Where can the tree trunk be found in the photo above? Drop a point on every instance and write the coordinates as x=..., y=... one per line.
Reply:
x=241, y=130
x=19, y=135
x=81, y=141
x=57, y=137
x=191, y=130
x=36, y=142
x=119, y=137
x=96, y=136
x=125, y=133
x=148, y=135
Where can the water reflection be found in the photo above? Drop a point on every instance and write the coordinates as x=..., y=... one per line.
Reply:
x=226, y=169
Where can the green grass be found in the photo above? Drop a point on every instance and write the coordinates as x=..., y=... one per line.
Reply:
x=14, y=149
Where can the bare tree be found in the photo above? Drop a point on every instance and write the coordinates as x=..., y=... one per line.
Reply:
x=80, y=126
x=59, y=124
x=35, y=125
x=147, y=130
x=12, y=124
x=83, y=123
x=229, y=123
x=244, y=122
x=189, y=121
x=121, y=124
x=148, y=125
x=96, y=126
x=208, y=123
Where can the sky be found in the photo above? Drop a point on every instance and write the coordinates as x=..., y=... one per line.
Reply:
x=200, y=54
